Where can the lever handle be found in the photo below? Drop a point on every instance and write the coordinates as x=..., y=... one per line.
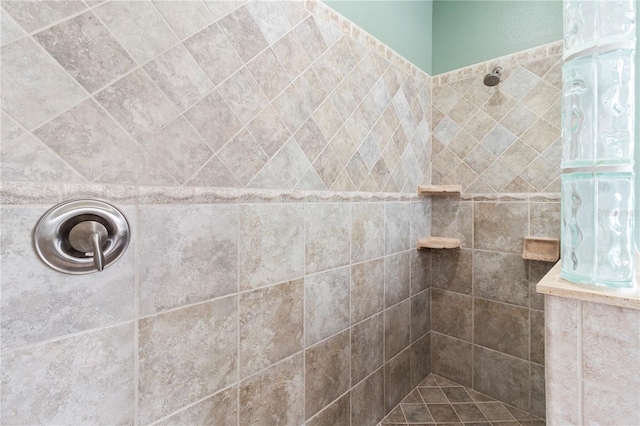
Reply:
x=87, y=237
x=98, y=256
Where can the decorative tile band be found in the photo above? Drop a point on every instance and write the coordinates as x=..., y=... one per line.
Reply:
x=508, y=61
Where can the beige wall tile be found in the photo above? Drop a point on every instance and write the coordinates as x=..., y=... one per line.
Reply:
x=327, y=230
x=397, y=278
x=367, y=289
x=452, y=358
x=221, y=408
x=504, y=328
x=501, y=277
x=326, y=304
x=367, y=231
x=490, y=232
x=500, y=376
x=397, y=379
x=367, y=347
x=37, y=14
x=275, y=395
x=243, y=33
x=184, y=17
x=397, y=326
x=335, y=414
x=87, y=377
x=452, y=219
x=452, y=314
x=167, y=382
x=367, y=400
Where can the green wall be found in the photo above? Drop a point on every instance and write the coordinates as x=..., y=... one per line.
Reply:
x=467, y=32
x=403, y=25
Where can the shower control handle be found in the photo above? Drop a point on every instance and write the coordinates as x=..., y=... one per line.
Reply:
x=88, y=237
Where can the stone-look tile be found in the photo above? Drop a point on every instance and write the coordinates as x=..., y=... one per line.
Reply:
x=518, y=157
x=367, y=289
x=37, y=14
x=138, y=167
x=501, y=277
x=541, y=97
x=498, y=105
x=45, y=91
x=519, y=119
x=537, y=337
x=188, y=255
x=541, y=173
x=243, y=156
x=495, y=411
x=39, y=303
x=367, y=347
x=490, y=232
x=311, y=182
x=269, y=131
x=452, y=358
x=179, y=76
x=367, y=400
x=397, y=325
x=433, y=395
x=545, y=220
x=420, y=270
x=537, y=271
x=415, y=413
x=610, y=392
x=327, y=239
x=291, y=54
x=27, y=159
x=270, y=19
x=269, y=74
x=326, y=304
x=274, y=396
x=420, y=359
x=139, y=28
x=501, y=376
x=179, y=149
x=326, y=372
x=84, y=47
x=243, y=33
x=452, y=314
x=9, y=129
x=10, y=31
x=396, y=225
x=397, y=379
x=268, y=177
x=221, y=409
x=420, y=315
x=213, y=52
x=498, y=140
x=469, y=413
x=452, y=219
x=420, y=221
x=221, y=8
x=214, y=174
x=311, y=38
x=137, y=104
x=443, y=413
x=168, y=382
x=537, y=383
x=498, y=175
x=271, y=244
x=327, y=166
x=310, y=88
x=292, y=162
x=397, y=270
x=452, y=270
x=88, y=378
x=291, y=108
x=367, y=231
x=396, y=416
x=457, y=394
x=214, y=120
x=479, y=125
x=184, y=17
x=501, y=327
x=271, y=325
x=337, y=413
x=243, y=95
x=541, y=135
x=561, y=349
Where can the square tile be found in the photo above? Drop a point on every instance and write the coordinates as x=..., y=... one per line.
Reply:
x=502, y=327
x=326, y=304
x=220, y=408
x=270, y=19
x=367, y=400
x=137, y=104
x=213, y=52
x=367, y=289
x=32, y=15
x=243, y=156
x=327, y=239
x=86, y=49
x=443, y=413
x=180, y=77
x=185, y=17
x=168, y=383
x=214, y=120
x=271, y=325
x=44, y=92
x=291, y=54
x=139, y=28
x=243, y=95
x=243, y=33
x=397, y=379
x=397, y=323
x=268, y=72
x=469, y=413
x=367, y=349
x=189, y=255
x=397, y=278
x=416, y=413
x=269, y=131
x=367, y=231
x=396, y=226
x=433, y=395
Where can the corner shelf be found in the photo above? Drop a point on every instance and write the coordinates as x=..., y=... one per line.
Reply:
x=543, y=249
x=439, y=189
x=438, y=243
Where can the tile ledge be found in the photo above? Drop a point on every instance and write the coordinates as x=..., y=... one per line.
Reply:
x=47, y=193
x=553, y=285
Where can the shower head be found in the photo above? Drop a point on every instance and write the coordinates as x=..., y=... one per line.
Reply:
x=493, y=78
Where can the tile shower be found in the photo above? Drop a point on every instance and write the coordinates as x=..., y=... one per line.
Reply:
x=266, y=155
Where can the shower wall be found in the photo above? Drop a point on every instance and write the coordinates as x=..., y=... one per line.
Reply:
x=502, y=144
x=246, y=295
x=502, y=139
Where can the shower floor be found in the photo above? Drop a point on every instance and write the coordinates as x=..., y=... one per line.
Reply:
x=440, y=401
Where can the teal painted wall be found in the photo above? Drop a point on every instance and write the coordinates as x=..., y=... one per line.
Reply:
x=467, y=32
x=403, y=25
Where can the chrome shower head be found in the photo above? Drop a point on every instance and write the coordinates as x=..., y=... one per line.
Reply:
x=493, y=78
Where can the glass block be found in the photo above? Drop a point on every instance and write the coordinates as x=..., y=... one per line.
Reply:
x=614, y=254
x=597, y=229
x=615, y=109
x=579, y=109
x=617, y=21
x=578, y=227
x=580, y=28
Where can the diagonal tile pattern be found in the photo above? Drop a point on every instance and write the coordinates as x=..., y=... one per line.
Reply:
x=241, y=80
x=495, y=139
x=437, y=400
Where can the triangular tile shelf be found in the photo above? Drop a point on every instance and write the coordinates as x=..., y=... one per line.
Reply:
x=439, y=189
x=438, y=243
